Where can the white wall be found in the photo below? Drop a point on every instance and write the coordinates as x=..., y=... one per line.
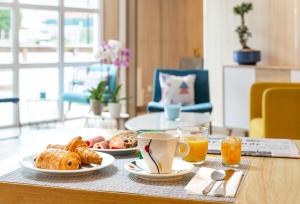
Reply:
x=275, y=28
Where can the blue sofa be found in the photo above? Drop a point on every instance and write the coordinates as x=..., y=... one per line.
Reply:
x=82, y=98
x=202, y=100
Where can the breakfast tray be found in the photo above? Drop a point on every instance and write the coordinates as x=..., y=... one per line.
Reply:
x=116, y=179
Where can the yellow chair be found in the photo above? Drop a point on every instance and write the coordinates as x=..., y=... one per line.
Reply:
x=275, y=110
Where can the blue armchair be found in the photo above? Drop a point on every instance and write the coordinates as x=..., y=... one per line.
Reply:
x=202, y=101
x=82, y=98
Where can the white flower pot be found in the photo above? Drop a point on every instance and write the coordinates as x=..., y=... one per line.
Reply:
x=96, y=106
x=114, y=109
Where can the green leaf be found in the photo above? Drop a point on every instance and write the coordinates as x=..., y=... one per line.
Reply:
x=114, y=94
x=97, y=93
x=242, y=30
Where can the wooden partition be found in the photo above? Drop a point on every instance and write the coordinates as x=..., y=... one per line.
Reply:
x=167, y=30
x=110, y=19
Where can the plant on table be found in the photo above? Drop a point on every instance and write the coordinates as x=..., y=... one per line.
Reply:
x=114, y=105
x=113, y=52
x=96, y=97
x=242, y=30
x=246, y=55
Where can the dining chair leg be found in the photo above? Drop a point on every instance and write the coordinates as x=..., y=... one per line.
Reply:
x=210, y=128
x=230, y=131
x=68, y=110
x=18, y=118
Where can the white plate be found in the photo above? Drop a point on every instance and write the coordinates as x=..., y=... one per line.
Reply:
x=28, y=163
x=117, y=151
x=180, y=168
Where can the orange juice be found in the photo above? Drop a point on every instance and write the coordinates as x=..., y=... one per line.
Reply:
x=231, y=151
x=198, y=148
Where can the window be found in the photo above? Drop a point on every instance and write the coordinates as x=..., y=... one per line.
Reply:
x=41, y=43
x=6, y=81
x=40, y=2
x=5, y=36
x=38, y=36
x=82, y=3
x=80, y=46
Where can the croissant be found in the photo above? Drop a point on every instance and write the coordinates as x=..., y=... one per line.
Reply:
x=77, y=145
x=56, y=146
x=88, y=156
x=57, y=159
x=74, y=143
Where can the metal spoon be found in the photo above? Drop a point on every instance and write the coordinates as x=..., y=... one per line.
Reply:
x=134, y=165
x=216, y=175
x=221, y=189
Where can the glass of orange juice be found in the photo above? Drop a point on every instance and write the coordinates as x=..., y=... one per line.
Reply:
x=197, y=139
x=231, y=148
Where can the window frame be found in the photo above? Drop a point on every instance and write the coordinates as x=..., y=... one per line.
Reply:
x=15, y=66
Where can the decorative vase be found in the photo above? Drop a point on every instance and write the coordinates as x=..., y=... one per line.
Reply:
x=114, y=109
x=96, y=106
x=247, y=57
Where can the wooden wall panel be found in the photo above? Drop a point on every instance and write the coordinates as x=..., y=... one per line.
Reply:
x=267, y=75
x=167, y=31
x=110, y=19
x=181, y=30
x=282, y=35
x=148, y=45
x=131, y=72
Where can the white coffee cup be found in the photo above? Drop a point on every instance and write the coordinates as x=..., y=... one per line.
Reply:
x=158, y=150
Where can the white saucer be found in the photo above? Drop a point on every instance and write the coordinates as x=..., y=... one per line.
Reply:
x=180, y=168
x=107, y=160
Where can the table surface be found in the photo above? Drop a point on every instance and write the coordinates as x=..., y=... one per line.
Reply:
x=269, y=180
x=157, y=121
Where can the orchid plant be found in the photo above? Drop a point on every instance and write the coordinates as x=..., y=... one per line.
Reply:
x=113, y=52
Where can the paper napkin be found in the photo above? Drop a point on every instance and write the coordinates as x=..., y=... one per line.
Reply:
x=202, y=179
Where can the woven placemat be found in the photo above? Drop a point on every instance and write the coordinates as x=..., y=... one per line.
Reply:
x=116, y=179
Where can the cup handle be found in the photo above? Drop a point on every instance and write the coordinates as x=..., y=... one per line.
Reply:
x=187, y=149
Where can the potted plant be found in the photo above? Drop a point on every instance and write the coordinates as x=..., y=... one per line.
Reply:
x=96, y=96
x=114, y=105
x=246, y=55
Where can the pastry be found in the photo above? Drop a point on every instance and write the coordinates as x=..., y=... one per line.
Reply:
x=74, y=143
x=88, y=156
x=78, y=146
x=56, y=146
x=123, y=140
x=56, y=159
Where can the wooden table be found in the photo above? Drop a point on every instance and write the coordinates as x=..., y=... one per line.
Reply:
x=269, y=180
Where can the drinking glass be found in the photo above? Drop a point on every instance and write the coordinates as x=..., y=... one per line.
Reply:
x=197, y=139
x=231, y=148
x=172, y=111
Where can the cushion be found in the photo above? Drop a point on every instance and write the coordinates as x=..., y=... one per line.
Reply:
x=93, y=78
x=177, y=89
x=256, y=128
